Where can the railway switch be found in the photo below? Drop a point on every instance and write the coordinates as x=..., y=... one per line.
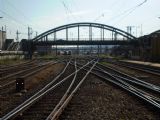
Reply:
x=20, y=85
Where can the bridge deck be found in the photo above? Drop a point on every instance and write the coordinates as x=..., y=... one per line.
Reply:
x=65, y=42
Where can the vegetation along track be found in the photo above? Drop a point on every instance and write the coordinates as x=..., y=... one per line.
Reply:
x=48, y=91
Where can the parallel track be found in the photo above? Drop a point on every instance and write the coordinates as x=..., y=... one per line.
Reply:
x=8, y=85
x=130, y=79
x=49, y=90
x=72, y=89
x=144, y=68
x=120, y=81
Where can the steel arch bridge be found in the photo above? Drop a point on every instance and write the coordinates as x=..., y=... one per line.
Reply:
x=43, y=39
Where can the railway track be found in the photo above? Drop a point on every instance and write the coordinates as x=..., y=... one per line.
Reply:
x=130, y=79
x=9, y=67
x=143, y=68
x=60, y=92
x=43, y=88
x=6, y=71
x=9, y=84
x=9, y=96
x=101, y=72
x=17, y=71
x=66, y=87
x=72, y=89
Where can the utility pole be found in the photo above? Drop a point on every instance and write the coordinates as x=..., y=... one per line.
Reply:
x=36, y=33
x=137, y=33
x=2, y=36
x=141, y=30
x=5, y=28
x=1, y=39
x=29, y=33
x=129, y=29
x=17, y=36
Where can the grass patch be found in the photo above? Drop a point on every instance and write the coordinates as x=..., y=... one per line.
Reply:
x=47, y=57
x=9, y=61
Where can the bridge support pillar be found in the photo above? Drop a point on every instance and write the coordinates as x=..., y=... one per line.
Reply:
x=98, y=51
x=67, y=34
x=90, y=33
x=78, y=42
x=56, y=50
x=27, y=48
x=102, y=33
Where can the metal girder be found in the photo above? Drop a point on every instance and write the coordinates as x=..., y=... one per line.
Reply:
x=64, y=42
x=85, y=24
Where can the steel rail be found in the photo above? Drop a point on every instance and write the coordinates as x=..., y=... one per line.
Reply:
x=140, y=68
x=143, y=66
x=123, y=78
x=20, y=72
x=130, y=80
x=46, y=65
x=17, y=68
x=22, y=107
x=57, y=113
x=17, y=65
x=64, y=96
x=19, y=108
x=137, y=92
x=146, y=84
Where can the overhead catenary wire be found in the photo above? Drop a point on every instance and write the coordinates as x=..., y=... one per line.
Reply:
x=114, y=3
x=128, y=11
x=100, y=16
x=68, y=10
x=132, y=10
x=20, y=13
x=14, y=19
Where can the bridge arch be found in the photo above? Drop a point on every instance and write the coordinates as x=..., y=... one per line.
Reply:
x=44, y=35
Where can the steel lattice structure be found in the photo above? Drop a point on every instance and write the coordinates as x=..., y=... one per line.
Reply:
x=44, y=36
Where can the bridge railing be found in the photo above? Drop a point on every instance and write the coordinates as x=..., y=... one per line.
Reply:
x=85, y=39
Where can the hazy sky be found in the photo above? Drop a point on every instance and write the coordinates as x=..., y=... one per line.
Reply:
x=43, y=15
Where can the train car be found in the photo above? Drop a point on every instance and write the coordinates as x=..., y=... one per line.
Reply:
x=67, y=52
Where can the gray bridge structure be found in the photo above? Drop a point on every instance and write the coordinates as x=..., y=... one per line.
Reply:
x=118, y=37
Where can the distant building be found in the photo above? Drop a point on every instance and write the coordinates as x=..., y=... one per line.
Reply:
x=7, y=43
x=2, y=38
x=149, y=49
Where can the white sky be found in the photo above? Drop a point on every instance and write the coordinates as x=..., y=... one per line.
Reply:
x=43, y=15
